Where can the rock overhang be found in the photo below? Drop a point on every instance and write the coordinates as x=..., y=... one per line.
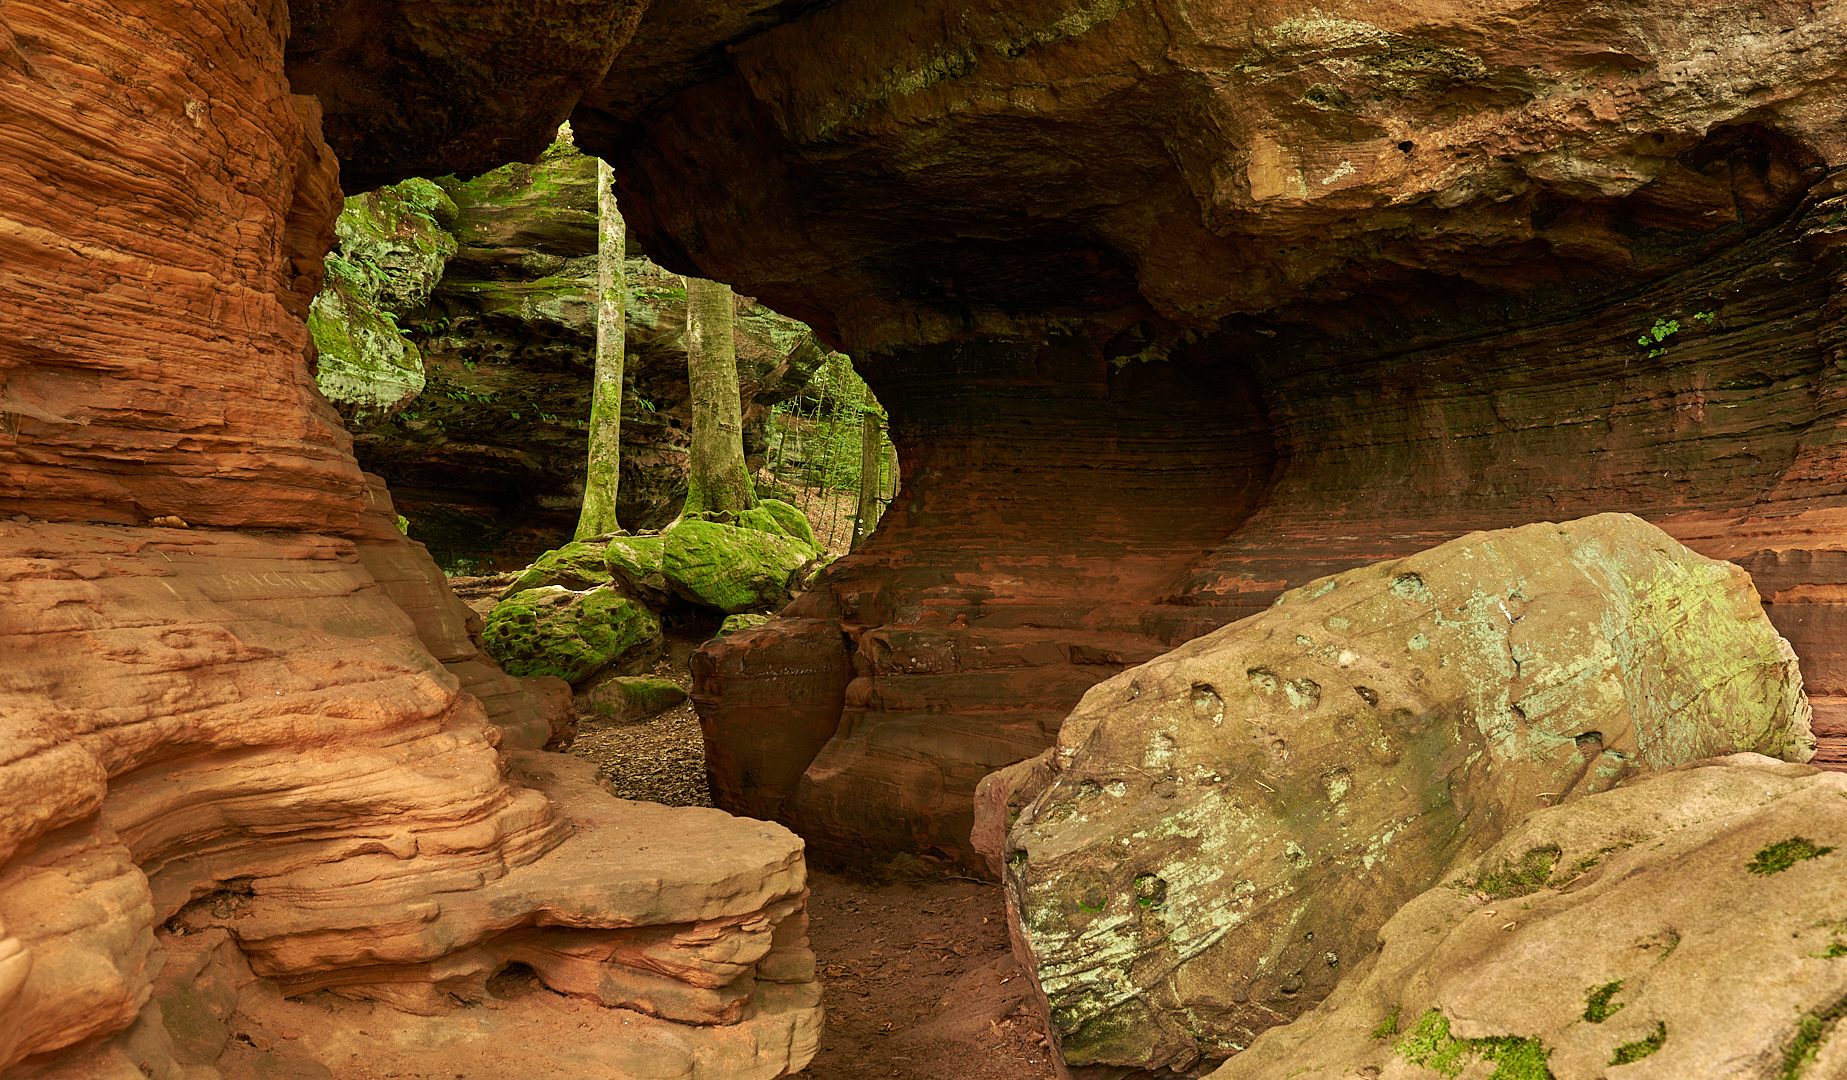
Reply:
x=938, y=172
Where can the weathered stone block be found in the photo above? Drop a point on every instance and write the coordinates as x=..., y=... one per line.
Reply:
x=1684, y=920
x=1230, y=824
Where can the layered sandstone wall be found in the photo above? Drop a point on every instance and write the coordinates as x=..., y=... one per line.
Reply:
x=1423, y=244
x=236, y=702
x=169, y=202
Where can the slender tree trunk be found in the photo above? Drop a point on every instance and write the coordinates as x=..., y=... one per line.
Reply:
x=717, y=481
x=605, y=470
x=866, y=515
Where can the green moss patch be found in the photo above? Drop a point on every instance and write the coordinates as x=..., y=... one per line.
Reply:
x=781, y=519
x=744, y=621
x=633, y=698
x=730, y=568
x=1527, y=875
x=578, y=565
x=1784, y=854
x=573, y=635
x=1600, y=1006
x=1432, y=1046
x=1813, y=1030
x=1640, y=1049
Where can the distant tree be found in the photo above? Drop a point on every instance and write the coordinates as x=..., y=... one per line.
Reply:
x=717, y=481
x=605, y=472
x=871, y=450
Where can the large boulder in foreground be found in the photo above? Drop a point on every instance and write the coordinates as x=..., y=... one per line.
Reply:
x=1228, y=826
x=1683, y=925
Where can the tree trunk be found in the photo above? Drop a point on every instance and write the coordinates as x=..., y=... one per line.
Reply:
x=866, y=515
x=605, y=468
x=717, y=482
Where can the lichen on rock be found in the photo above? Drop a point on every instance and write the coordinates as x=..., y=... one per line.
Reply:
x=392, y=249
x=1653, y=941
x=1284, y=784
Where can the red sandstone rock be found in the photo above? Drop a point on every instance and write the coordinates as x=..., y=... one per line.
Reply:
x=163, y=233
x=277, y=728
x=218, y=728
x=426, y=89
x=1172, y=309
x=772, y=699
x=1421, y=245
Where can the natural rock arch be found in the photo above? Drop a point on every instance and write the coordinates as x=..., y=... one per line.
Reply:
x=1172, y=308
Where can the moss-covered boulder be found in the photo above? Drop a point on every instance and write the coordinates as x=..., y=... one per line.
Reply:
x=1228, y=826
x=396, y=236
x=635, y=562
x=573, y=635
x=730, y=568
x=391, y=250
x=632, y=699
x=742, y=621
x=366, y=366
x=578, y=565
x=781, y=519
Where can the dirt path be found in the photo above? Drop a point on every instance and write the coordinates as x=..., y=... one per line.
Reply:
x=919, y=981
x=920, y=984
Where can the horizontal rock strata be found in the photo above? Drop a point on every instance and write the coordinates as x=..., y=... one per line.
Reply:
x=212, y=728
x=238, y=705
x=1431, y=250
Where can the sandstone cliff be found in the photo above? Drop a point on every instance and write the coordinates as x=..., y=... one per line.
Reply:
x=1172, y=306
x=238, y=705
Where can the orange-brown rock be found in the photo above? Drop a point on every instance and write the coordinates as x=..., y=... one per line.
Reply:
x=234, y=700
x=1172, y=307
x=1175, y=308
x=168, y=203
x=213, y=728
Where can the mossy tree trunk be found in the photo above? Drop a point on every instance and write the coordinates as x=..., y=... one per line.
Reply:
x=605, y=471
x=717, y=481
x=866, y=514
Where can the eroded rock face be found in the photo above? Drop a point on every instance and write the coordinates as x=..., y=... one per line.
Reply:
x=263, y=717
x=991, y=597
x=143, y=214
x=1468, y=270
x=1605, y=933
x=1204, y=161
x=1227, y=827
x=351, y=825
x=415, y=90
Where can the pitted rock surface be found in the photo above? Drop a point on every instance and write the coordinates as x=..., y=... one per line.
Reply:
x=1228, y=826
x=1686, y=927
